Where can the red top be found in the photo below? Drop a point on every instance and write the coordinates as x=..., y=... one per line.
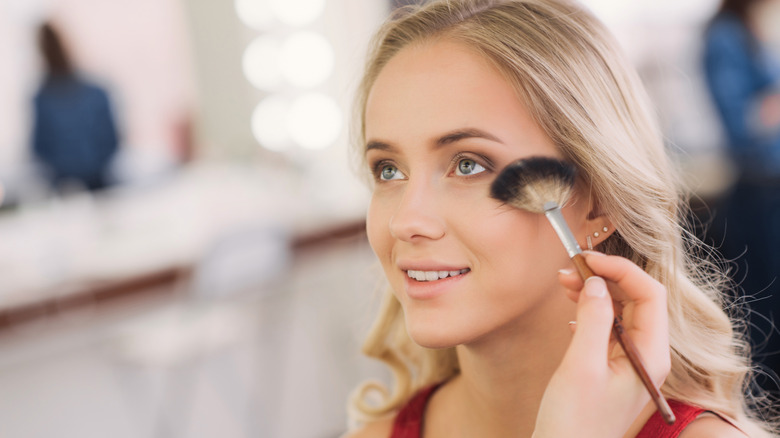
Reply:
x=408, y=422
x=656, y=427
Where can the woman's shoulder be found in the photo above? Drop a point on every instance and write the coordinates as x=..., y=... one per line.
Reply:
x=374, y=429
x=709, y=425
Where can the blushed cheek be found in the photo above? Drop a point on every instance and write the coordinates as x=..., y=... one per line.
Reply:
x=516, y=243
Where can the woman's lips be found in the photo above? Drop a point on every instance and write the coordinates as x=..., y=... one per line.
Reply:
x=434, y=275
x=432, y=283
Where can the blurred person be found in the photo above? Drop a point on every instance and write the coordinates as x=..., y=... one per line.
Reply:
x=476, y=324
x=743, y=80
x=74, y=133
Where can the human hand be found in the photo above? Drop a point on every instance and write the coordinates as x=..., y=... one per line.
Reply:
x=595, y=391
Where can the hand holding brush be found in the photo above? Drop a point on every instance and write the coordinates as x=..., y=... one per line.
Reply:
x=544, y=185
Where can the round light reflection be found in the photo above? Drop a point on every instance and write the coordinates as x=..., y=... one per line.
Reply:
x=297, y=12
x=261, y=63
x=254, y=13
x=269, y=121
x=314, y=121
x=306, y=59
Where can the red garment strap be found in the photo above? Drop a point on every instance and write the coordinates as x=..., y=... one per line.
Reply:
x=408, y=422
x=656, y=427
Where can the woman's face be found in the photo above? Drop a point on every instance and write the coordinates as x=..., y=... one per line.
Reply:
x=440, y=124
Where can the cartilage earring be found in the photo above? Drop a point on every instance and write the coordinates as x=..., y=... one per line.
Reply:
x=605, y=229
x=596, y=234
x=590, y=242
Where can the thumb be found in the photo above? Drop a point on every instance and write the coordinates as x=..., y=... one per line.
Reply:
x=594, y=324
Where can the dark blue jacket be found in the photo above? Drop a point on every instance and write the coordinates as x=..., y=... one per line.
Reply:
x=739, y=73
x=74, y=134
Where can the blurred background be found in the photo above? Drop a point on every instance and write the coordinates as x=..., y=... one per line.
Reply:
x=194, y=264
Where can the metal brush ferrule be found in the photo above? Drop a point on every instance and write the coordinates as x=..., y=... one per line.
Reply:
x=553, y=213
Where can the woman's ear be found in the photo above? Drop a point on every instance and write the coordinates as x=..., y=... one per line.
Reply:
x=597, y=225
x=599, y=228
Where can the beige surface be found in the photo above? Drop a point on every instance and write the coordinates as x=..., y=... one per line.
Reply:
x=53, y=247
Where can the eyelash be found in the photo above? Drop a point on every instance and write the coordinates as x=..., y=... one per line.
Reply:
x=376, y=167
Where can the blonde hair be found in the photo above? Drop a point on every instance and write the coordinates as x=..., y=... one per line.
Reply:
x=568, y=70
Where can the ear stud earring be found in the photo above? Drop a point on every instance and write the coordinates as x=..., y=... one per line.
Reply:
x=595, y=234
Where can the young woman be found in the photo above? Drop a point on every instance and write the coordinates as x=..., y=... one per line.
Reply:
x=476, y=324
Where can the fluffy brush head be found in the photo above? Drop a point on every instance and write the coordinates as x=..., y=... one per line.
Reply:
x=530, y=183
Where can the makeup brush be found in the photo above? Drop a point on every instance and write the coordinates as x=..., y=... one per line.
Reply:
x=544, y=185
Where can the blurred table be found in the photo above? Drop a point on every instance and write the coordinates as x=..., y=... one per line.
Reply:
x=83, y=250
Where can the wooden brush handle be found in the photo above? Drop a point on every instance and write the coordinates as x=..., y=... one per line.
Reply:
x=631, y=351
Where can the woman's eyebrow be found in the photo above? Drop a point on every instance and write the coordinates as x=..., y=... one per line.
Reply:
x=446, y=139
x=380, y=145
x=462, y=134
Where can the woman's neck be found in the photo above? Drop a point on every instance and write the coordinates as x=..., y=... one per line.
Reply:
x=502, y=380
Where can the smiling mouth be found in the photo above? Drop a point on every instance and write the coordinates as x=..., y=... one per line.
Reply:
x=434, y=275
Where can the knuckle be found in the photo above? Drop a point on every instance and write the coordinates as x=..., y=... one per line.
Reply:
x=657, y=289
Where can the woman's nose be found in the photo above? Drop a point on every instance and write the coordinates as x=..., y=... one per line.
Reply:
x=418, y=215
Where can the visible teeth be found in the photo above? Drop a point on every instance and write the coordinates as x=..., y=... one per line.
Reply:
x=434, y=275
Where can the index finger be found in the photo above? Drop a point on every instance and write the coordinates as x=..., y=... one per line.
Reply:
x=638, y=286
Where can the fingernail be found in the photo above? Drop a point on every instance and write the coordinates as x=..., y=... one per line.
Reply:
x=572, y=322
x=595, y=287
x=566, y=271
x=591, y=252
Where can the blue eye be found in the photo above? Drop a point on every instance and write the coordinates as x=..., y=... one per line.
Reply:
x=468, y=166
x=389, y=172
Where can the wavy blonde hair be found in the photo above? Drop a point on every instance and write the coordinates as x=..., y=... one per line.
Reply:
x=568, y=70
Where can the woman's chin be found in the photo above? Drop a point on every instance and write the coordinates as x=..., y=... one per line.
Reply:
x=435, y=337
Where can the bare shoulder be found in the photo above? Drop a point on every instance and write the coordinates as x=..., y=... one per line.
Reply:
x=375, y=429
x=711, y=426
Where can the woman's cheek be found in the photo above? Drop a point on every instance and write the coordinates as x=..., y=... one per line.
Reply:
x=376, y=225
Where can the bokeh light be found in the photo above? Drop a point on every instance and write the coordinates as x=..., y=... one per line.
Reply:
x=306, y=59
x=297, y=12
x=261, y=63
x=314, y=121
x=269, y=122
x=254, y=13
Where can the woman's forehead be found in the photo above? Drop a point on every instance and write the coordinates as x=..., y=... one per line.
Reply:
x=441, y=85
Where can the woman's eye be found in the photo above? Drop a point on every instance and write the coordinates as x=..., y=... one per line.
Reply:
x=389, y=172
x=468, y=166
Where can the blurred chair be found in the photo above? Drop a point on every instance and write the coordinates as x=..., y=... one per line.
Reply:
x=218, y=318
